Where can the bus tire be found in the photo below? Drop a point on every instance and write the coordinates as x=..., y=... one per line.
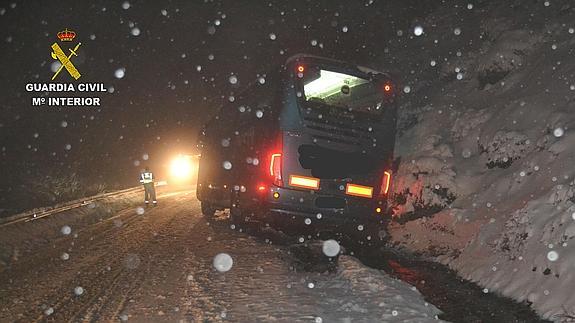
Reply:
x=207, y=209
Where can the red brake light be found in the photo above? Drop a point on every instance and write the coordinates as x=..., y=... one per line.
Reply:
x=275, y=162
x=276, y=168
x=385, y=183
x=275, y=165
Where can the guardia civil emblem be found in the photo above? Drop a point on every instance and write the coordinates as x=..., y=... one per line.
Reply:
x=66, y=36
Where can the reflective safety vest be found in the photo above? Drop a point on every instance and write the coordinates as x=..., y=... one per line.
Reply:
x=146, y=177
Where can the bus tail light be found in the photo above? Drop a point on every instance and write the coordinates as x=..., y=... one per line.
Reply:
x=385, y=183
x=311, y=183
x=275, y=161
x=276, y=168
x=359, y=190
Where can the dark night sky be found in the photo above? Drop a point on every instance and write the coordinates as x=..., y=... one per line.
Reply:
x=159, y=104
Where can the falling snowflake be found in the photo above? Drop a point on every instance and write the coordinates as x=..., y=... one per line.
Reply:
x=135, y=31
x=140, y=210
x=331, y=248
x=65, y=256
x=273, y=36
x=78, y=291
x=120, y=72
x=132, y=261
x=418, y=31
x=307, y=221
x=66, y=230
x=223, y=262
x=126, y=5
x=344, y=29
x=558, y=132
x=457, y=31
x=55, y=66
x=552, y=255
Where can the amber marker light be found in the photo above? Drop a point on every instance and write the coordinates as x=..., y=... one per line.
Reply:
x=359, y=190
x=311, y=183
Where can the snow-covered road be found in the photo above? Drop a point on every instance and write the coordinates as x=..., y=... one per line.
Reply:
x=115, y=261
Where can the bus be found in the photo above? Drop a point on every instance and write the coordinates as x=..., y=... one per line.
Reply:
x=309, y=144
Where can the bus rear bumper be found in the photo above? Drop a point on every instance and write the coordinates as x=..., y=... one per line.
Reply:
x=295, y=206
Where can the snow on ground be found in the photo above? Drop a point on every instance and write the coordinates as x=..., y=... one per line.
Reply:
x=487, y=170
x=114, y=262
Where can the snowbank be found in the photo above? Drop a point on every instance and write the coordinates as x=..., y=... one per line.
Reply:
x=486, y=178
x=376, y=292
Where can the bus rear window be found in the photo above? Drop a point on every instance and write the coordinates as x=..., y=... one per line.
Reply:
x=343, y=91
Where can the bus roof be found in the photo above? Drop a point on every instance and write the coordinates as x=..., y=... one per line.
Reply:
x=303, y=56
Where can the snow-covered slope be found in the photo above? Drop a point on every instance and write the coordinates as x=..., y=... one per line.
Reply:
x=487, y=153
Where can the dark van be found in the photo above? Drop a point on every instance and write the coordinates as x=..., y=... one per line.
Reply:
x=310, y=143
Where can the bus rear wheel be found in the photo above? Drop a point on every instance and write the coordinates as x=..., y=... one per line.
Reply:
x=207, y=209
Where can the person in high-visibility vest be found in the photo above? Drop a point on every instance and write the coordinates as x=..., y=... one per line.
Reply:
x=147, y=178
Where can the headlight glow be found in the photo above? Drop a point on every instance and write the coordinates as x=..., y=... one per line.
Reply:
x=181, y=167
